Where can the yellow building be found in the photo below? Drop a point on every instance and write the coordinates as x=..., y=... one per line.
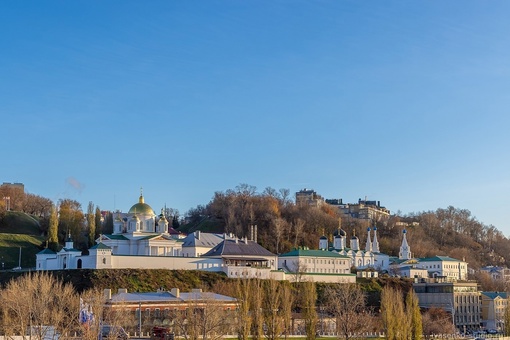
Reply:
x=493, y=310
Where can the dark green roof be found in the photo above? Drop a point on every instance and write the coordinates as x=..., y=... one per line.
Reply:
x=437, y=258
x=313, y=253
x=47, y=251
x=100, y=246
x=115, y=237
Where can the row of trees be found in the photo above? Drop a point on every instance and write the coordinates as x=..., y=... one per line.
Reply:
x=267, y=309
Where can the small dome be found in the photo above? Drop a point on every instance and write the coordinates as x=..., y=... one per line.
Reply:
x=368, y=229
x=323, y=237
x=339, y=233
x=354, y=237
x=404, y=231
x=374, y=228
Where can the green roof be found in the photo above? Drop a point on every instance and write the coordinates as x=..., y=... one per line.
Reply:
x=313, y=253
x=437, y=258
x=100, y=246
x=47, y=251
x=115, y=237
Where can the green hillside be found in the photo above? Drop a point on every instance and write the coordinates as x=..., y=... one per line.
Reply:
x=18, y=229
x=17, y=222
x=10, y=248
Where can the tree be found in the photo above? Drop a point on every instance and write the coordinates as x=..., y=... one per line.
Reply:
x=309, y=299
x=393, y=315
x=91, y=223
x=71, y=220
x=413, y=312
x=35, y=300
x=53, y=229
x=271, y=310
x=98, y=222
x=256, y=306
x=346, y=303
x=286, y=308
x=204, y=318
x=244, y=318
x=437, y=321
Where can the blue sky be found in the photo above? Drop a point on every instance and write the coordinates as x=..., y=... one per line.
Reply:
x=405, y=102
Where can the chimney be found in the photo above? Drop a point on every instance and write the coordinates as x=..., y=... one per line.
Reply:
x=108, y=294
x=197, y=234
x=237, y=240
x=175, y=292
x=245, y=239
x=224, y=236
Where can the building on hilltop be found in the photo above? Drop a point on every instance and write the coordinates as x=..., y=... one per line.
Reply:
x=364, y=209
x=308, y=197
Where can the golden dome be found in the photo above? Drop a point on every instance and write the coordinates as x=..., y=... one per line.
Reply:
x=141, y=208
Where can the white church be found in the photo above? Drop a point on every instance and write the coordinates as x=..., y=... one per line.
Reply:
x=370, y=257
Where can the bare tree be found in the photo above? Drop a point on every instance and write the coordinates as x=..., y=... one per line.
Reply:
x=34, y=302
x=204, y=318
x=346, y=303
x=298, y=230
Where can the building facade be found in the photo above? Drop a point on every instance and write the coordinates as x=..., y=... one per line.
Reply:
x=460, y=299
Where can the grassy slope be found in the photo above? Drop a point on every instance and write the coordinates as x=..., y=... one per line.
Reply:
x=17, y=230
x=9, y=249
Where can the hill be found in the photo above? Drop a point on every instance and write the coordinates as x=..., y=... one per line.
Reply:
x=10, y=245
x=19, y=230
x=17, y=222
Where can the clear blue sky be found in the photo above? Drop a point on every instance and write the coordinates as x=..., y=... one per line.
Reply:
x=405, y=102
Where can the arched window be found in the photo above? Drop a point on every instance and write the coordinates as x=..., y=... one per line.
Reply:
x=104, y=260
x=79, y=264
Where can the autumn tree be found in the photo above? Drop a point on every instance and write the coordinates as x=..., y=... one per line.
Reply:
x=37, y=300
x=287, y=297
x=244, y=317
x=308, y=308
x=271, y=310
x=98, y=223
x=394, y=318
x=71, y=220
x=53, y=229
x=91, y=224
x=413, y=312
x=346, y=303
x=256, y=302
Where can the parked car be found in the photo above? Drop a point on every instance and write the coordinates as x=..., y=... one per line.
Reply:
x=161, y=333
x=113, y=332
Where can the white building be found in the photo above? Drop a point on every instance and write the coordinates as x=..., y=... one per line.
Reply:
x=303, y=264
x=370, y=257
x=438, y=266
